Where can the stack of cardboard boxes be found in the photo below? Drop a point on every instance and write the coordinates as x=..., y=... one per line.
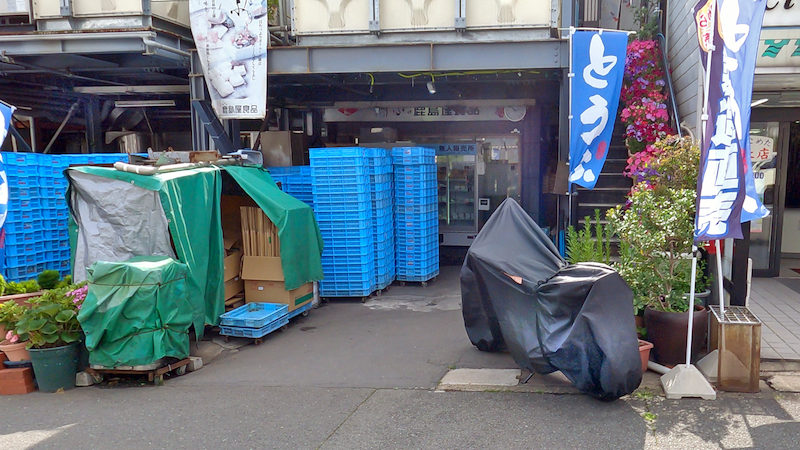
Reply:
x=261, y=264
x=232, y=238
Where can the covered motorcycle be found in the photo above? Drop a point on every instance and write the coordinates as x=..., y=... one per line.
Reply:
x=519, y=294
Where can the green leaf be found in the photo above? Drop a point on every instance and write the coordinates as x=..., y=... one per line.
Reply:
x=50, y=338
x=50, y=328
x=69, y=336
x=32, y=324
x=65, y=316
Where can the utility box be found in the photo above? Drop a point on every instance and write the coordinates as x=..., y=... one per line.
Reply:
x=737, y=336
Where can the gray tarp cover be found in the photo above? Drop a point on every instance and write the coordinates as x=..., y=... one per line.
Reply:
x=518, y=293
x=112, y=217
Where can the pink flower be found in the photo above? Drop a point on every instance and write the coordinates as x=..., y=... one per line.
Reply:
x=9, y=335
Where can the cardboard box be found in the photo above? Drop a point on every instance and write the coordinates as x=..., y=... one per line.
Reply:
x=275, y=292
x=265, y=268
x=233, y=264
x=233, y=287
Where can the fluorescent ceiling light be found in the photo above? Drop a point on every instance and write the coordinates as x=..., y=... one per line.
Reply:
x=143, y=89
x=143, y=103
x=759, y=102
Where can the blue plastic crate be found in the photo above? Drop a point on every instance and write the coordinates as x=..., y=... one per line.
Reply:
x=51, y=214
x=347, y=256
x=254, y=315
x=418, y=278
x=15, y=227
x=23, y=181
x=336, y=216
x=343, y=189
x=343, y=233
x=418, y=217
x=254, y=333
x=17, y=215
x=17, y=192
x=431, y=201
x=21, y=260
x=344, y=171
x=375, y=152
x=20, y=272
x=52, y=192
x=419, y=248
x=414, y=237
x=24, y=204
x=21, y=171
x=346, y=289
x=53, y=203
x=381, y=178
x=20, y=159
x=414, y=208
x=416, y=185
x=54, y=224
x=336, y=152
x=333, y=225
x=322, y=198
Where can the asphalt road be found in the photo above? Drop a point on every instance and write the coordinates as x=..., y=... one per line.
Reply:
x=354, y=376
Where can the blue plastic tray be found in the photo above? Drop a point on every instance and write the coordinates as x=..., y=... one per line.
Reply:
x=299, y=311
x=418, y=278
x=254, y=315
x=254, y=333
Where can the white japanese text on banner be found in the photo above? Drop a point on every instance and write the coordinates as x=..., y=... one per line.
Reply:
x=726, y=191
x=598, y=62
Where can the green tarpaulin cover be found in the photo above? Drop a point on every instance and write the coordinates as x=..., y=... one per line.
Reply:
x=191, y=203
x=137, y=312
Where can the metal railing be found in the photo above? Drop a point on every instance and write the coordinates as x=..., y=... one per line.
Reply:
x=673, y=104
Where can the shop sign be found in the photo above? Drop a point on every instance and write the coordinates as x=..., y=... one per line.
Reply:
x=764, y=160
x=782, y=13
x=449, y=113
x=779, y=48
x=232, y=38
x=460, y=148
x=726, y=195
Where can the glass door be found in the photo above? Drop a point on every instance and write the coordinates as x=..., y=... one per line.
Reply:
x=457, y=194
x=764, y=154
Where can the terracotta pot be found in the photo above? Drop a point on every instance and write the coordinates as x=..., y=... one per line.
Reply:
x=644, y=353
x=667, y=332
x=15, y=352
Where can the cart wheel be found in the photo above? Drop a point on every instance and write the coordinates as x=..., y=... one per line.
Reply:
x=227, y=338
x=257, y=341
x=159, y=381
x=180, y=371
x=285, y=327
x=424, y=284
x=304, y=313
x=363, y=299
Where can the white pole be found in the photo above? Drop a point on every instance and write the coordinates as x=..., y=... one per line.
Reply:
x=704, y=118
x=719, y=280
x=691, y=308
x=570, y=75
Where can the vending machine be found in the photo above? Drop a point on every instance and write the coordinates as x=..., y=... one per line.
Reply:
x=457, y=178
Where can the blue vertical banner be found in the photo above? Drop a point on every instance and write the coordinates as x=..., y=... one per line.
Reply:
x=6, y=111
x=598, y=65
x=726, y=191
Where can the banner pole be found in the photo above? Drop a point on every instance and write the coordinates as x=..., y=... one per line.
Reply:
x=570, y=75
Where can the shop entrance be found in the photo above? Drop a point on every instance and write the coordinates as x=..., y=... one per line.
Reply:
x=775, y=239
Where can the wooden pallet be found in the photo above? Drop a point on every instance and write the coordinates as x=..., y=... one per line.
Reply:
x=155, y=376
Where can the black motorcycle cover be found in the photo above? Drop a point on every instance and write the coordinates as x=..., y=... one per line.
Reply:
x=519, y=294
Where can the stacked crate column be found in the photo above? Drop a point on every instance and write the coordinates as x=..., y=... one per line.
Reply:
x=416, y=214
x=343, y=206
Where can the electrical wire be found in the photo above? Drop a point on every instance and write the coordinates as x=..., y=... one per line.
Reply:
x=464, y=73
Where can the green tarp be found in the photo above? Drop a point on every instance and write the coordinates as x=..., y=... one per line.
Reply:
x=137, y=312
x=191, y=203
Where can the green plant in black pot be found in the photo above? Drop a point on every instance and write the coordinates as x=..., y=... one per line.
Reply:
x=52, y=328
x=591, y=244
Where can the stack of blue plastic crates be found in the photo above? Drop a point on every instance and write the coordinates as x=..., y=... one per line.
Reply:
x=37, y=238
x=295, y=181
x=416, y=214
x=381, y=191
x=343, y=206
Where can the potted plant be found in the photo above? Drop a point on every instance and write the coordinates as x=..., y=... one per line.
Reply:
x=656, y=230
x=51, y=325
x=12, y=345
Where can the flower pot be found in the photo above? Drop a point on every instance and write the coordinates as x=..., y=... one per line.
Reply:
x=667, y=332
x=644, y=353
x=16, y=351
x=55, y=368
